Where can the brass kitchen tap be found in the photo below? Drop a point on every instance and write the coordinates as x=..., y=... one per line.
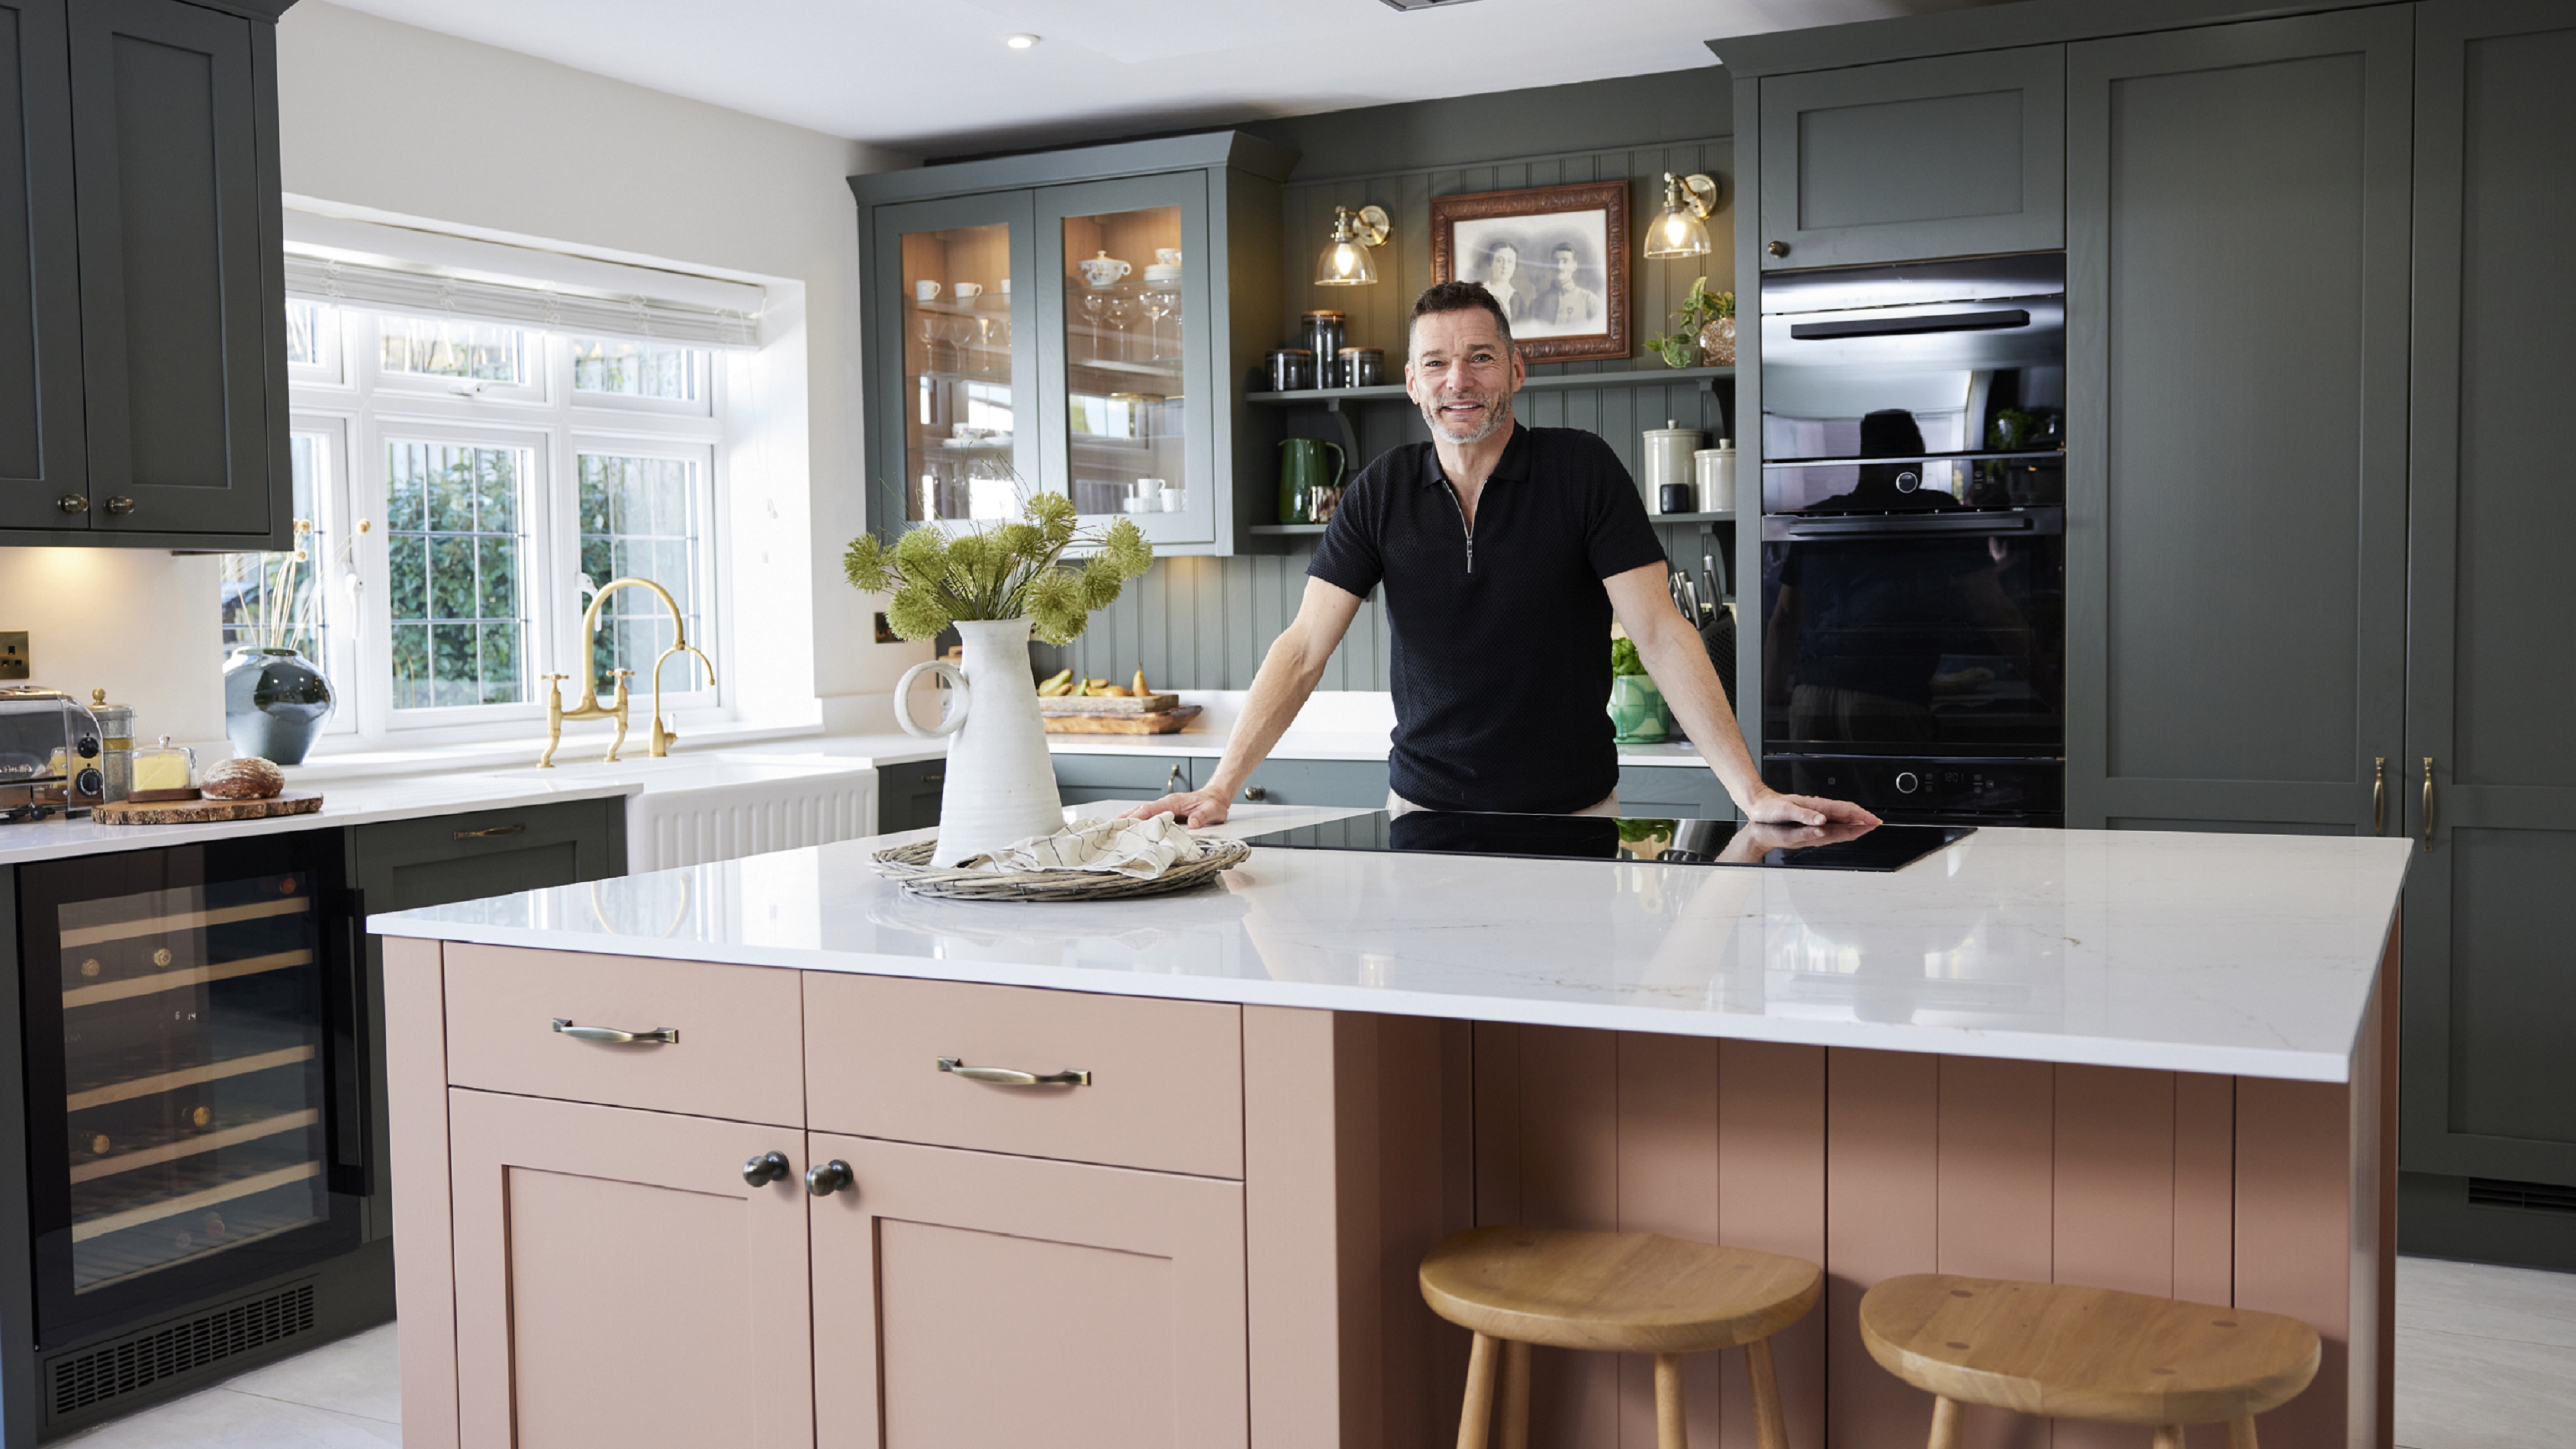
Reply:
x=590, y=707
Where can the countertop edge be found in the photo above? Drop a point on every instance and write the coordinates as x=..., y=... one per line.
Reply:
x=115, y=839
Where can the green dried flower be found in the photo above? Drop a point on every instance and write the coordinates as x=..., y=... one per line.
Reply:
x=1022, y=540
x=869, y=568
x=1001, y=571
x=917, y=613
x=921, y=555
x=1101, y=583
x=1126, y=549
x=1053, y=514
x=1058, y=608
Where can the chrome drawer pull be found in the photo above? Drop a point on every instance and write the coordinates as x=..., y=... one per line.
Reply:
x=665, y=1035
x=1005, y=1077
x=492, y=833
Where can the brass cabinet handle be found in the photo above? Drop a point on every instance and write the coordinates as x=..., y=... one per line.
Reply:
x=1777, y=248
x=492, y=833
x=120, y=505
x=73, y=503
x=767, y=1168
x=826, y=1178
x=2379, y=796
x=1005, y=1077
x=661, y=1035
x=1255, y=793
x=2428, y=802
x=939, y=779
x=1172, y=781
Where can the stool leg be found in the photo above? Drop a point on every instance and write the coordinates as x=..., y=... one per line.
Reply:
x=1770, y=1428
x=1670, y=1431
x=2168, y=1436
x=1479, y=1411
x=1516, y=1380
x=1945, y=1422
x=2240, y=1433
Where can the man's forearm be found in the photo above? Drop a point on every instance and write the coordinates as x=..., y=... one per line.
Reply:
x=1678, y=662
x=1279, y=690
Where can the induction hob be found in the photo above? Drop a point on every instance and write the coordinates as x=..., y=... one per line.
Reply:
x=1600, y=837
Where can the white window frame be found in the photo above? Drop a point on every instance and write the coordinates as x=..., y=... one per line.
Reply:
x=370, y=408
x=702, y=406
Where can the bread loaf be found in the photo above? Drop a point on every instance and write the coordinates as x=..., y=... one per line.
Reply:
x=248, y=778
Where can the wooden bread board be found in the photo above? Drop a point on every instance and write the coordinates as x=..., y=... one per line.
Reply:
x=192, y=812
x=1164, y=723
x=1107, y=704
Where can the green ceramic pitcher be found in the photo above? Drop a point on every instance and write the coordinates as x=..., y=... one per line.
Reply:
x=1301, y=471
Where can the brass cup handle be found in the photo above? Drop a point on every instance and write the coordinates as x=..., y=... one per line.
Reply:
x=120, y=505
x=2428, y=802
x=661, y=1035
x=491, y=832
x=826, y=1178
x=2379, y=796
x=767, y=1168
x=1006, y=1077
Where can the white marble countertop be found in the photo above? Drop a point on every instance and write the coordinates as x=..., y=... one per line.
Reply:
x=351, y=802
x=2241, y=954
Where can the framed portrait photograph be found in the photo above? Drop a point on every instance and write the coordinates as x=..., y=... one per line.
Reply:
x=1555, y=257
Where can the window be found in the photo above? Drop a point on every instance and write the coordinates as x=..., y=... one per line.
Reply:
x=466, y=487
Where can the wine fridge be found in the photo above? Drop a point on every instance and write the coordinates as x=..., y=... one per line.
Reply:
x=195, y=1099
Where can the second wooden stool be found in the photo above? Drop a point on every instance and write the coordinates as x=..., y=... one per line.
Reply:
x=1613, y=1293
x=2085, y=1353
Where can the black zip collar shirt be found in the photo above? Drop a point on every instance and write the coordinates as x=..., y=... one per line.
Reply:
x=1501, y=664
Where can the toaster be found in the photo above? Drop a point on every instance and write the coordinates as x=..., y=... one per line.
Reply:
x=49, y=753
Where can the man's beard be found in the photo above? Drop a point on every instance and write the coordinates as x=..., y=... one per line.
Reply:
x=1497, y=417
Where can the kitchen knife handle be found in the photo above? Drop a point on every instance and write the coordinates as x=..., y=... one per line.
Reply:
x=1006, y=1077
x=2379, y=797
x=2428, y=802
x=661, y=1035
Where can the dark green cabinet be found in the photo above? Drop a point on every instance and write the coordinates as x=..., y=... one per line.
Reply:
x=2490, y=1083
x=142, y=287
x=2237, y=298
x=1089, y=779
x=1673, y=792
x=42, y=457
x=1359, y=784
x=1944, y=157
x=908, y=795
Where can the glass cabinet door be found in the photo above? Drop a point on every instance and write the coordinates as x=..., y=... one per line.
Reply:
x=956, y=329
x=1129, y=385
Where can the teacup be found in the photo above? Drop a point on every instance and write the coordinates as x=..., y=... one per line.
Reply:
x=965, y=291
x=1167, y=256
x=925, y=291
x=1103, y=270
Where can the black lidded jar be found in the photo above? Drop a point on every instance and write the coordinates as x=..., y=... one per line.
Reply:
x=1292, y=369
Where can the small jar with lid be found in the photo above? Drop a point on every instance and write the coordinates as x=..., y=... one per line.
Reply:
x=166, y=772
x=1362, y=367
x=1292, y=369
x=1326, y=331
x=115, y=744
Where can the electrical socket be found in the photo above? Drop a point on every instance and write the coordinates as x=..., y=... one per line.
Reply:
x=13, y=654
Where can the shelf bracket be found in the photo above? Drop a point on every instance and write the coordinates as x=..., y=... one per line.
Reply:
x=1352, y=462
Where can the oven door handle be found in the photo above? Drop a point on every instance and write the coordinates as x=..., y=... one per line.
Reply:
x=1994, y=321
x=1981, y=524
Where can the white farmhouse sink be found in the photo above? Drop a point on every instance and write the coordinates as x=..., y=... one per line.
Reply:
x=690, y=809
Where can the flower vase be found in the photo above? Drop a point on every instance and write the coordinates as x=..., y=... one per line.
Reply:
x=1000, y=784
x=274, y=703
x=1717, y=343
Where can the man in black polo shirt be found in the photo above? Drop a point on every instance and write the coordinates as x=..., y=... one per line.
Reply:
x=1504, y=552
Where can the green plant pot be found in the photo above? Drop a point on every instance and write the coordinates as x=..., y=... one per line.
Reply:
x=1638, y=711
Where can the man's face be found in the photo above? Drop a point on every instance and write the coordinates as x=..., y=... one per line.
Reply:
x=1565, y=266
x=1462, y=374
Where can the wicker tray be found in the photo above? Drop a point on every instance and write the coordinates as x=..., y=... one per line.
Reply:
x=910, y=864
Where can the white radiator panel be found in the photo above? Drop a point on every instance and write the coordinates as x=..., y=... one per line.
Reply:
x=669, y=828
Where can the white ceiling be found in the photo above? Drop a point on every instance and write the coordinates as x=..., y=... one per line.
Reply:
x=933, y=77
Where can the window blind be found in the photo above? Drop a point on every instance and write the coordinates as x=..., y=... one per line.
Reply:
x=440, y=295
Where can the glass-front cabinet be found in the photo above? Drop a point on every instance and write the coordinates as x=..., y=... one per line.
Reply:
x=1064, y=322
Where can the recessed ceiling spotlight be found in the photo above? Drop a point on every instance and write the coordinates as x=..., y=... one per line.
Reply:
x=1021, y=42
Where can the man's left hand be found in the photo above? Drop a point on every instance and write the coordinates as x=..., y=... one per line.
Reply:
x=1774, y=808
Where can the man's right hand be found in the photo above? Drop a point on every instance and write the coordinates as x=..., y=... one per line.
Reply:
x=1197, y=809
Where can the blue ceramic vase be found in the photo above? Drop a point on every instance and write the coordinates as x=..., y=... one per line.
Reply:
x=274, y=703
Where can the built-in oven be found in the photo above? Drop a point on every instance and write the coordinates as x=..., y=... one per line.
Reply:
x=1913, y=537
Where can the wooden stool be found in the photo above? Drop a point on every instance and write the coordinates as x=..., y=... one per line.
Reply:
x=1616, y=1293
x=2085, y=1353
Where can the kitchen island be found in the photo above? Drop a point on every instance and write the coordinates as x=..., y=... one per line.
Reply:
x=2147, y=1061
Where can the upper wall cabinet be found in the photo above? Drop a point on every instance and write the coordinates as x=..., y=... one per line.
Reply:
x=1953, y=156
x=1077, y=322
x=142, y=332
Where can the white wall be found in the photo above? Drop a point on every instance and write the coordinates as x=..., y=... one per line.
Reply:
x=399, y=120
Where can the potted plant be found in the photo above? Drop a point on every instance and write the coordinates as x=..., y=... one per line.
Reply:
x=1703, y=331
x=1637, y=709
x=998, y=584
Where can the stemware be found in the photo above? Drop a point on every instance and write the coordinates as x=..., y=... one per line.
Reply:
x=1095, y=310
x=1159, y=303
x=1122, y=310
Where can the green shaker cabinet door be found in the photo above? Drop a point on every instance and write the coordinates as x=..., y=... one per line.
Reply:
x=2489, y=1080
x=42, y=454
x=1952, y=156
x=1670, y=792
x=1357, y=783
x=1089, y=779
x=2236, y=479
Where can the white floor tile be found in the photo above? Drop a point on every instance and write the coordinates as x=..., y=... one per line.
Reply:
x=2455, y=1391
x=219, y=1418
x=2527, y=1305
x=358, y=1375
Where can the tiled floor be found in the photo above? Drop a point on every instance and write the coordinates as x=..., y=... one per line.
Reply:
x=2486, y=1359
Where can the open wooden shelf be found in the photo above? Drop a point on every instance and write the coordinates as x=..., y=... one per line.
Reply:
x=1394, y=392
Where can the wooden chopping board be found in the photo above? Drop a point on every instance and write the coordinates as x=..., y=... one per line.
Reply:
x=1108, y=704
x=192, y=812
x=1105, y=724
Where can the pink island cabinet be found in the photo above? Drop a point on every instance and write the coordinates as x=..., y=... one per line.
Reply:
x=1214, y=1243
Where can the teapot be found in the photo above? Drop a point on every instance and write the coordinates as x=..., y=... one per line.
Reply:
x=1103, y=270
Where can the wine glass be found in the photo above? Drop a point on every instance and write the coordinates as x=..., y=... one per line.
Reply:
x=1095, y=310
x=1159, y=303
x=1122, y=310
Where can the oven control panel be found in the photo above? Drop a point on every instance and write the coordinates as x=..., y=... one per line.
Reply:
x=1915, y=787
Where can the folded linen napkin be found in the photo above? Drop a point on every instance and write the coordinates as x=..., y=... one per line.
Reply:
x=1140, y=848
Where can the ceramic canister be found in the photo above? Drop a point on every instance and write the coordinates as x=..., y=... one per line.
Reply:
x=1716, y=477
x=1667, y=457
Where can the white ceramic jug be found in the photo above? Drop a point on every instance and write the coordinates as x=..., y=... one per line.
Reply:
x=1001, y=784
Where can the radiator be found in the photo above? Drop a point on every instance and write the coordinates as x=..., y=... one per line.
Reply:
x=666, y=828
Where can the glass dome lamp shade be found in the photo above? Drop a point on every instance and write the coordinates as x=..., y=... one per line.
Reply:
x=1682, y=229
x=1345, y=260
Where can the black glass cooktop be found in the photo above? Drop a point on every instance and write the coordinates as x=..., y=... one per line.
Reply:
x=1599, y=837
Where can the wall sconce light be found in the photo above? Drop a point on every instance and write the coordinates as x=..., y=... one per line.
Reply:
x=1345, y=261
x=1682, y=231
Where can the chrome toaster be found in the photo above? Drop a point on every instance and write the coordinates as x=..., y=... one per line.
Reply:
x=49, y=753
